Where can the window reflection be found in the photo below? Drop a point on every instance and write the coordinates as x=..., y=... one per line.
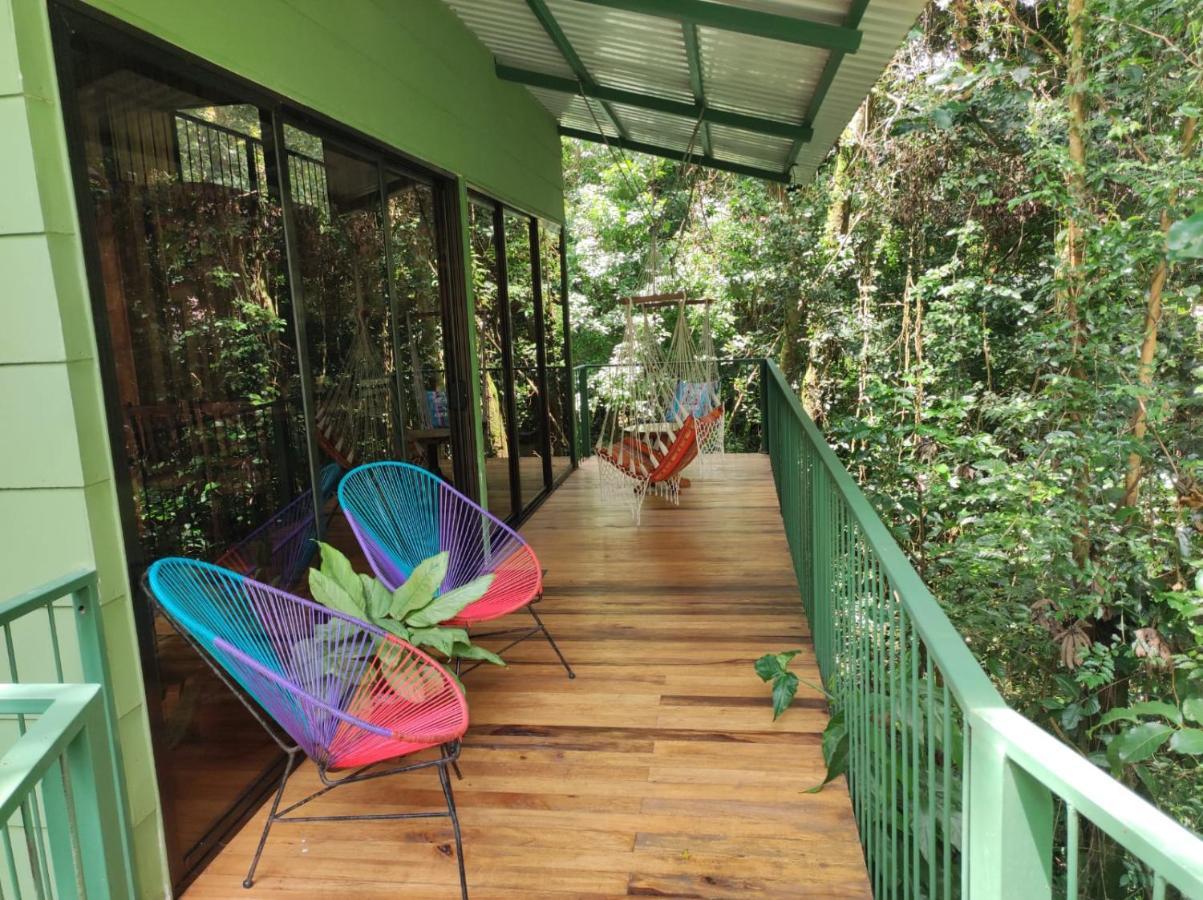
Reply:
x=340, y=239
x=420, y=348
x=559, y=378
x=524, y=340
x=199, y=330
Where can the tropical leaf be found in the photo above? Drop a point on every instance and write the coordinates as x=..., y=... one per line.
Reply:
x=447, y=605
x=784, y=689
x=1138, y=711
x=1185, y=238
x=768, y=667
x=328, y=592
x=442, y=639
x=420, y=587
x=1137, y=743
x=1192, y=708
x=337, y=567
x=1188, y=741
x=474, y=651
x=392, y=626
x=835, y=751
x=377, y=598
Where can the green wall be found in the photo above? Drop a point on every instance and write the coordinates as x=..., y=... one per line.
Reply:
x=407, y=73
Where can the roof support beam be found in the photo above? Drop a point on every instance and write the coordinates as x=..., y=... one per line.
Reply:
x=755, y=124
x=855, y=13
x=556, y=33
x=700, y=159
x=693, y=54
x=745, y=21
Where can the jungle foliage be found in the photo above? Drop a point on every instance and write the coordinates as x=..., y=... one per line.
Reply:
x=989, y=299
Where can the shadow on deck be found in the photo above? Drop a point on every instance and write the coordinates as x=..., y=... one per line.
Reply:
x=657, y=772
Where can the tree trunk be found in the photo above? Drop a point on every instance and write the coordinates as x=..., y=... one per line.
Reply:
x=1075, y=250
x=1148, y=346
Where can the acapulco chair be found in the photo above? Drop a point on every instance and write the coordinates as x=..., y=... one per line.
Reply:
x=402, y=514
x=344, y=693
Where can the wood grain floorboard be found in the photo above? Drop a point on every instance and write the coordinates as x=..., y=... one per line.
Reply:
x=658, y=772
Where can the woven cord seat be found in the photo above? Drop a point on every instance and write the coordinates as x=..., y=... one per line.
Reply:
x=343, y=692
x=402, y=514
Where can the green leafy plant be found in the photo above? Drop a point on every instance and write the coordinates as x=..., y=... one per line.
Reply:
x=774, y=668
x=412, y=612
x=1152, y=725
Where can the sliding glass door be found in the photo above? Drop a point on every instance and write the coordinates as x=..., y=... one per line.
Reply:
x=525, y=348
x=555, y=331
x=498, y=418
x=206, y=387
x=420, y=351
x=521, y=327
x=277, y=301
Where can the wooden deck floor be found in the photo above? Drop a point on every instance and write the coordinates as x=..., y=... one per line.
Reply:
x=657, y=772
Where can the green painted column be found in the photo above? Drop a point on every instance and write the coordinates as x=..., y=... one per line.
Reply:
x=1009, y=825
x=58, y=500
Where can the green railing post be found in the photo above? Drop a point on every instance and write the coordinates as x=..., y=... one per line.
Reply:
x=1010, y=852
x=61, y=763
x=95, y=663
x=106, y=788
x=94, y=783
x=584, y=433
x=764, y=406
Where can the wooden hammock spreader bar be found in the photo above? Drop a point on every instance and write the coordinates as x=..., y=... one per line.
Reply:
x=668, y=300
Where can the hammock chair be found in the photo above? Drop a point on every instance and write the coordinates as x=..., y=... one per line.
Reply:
x=693, y=367
x=647, y=438
x=665, y=404
x=353, y=416
x=324, y=685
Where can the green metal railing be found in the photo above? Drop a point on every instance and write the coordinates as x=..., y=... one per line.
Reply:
x=65, y=830
x=954, y=793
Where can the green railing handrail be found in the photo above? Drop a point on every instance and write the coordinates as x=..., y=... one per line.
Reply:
x=61, y=766
x=968, y=682
x=1012, y=768
x=80, y=589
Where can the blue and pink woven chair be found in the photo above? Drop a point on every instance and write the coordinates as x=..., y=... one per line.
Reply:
x=402, y=514
x=343, y=692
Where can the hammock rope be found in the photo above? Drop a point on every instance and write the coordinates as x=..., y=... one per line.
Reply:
x=353, y=416
x=647, y=440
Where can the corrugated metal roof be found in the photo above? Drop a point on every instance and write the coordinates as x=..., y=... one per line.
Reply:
x=633, y=58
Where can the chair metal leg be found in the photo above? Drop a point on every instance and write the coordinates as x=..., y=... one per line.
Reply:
x=547, y=634
x=271, y=818
x=459, y=844
x=452, y=751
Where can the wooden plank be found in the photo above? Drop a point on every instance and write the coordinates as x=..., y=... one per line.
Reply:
x=658, y=771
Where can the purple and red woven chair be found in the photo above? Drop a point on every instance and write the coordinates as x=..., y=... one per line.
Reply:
x=402, y=514
x=343, y=692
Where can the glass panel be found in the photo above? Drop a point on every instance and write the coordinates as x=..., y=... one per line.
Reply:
x=559, y=379
x=340, y=247
x=524, y=340
x=494, y=402
x=420, y=345
x=201, y=350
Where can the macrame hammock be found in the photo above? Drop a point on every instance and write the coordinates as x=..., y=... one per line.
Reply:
x=666, y=409
x=353, y=415
x=693, y=369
